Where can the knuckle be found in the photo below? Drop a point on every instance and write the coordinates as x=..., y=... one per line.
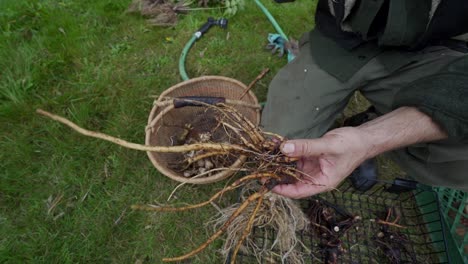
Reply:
x=303, y=148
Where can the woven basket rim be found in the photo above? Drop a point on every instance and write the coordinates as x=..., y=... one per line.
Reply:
x=198, y=79
x=151, y=120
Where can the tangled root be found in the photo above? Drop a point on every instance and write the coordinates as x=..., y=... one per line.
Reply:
x=283, y=215
x=259, y=208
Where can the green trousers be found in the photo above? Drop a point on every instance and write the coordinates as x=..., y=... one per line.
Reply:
x=304, y=101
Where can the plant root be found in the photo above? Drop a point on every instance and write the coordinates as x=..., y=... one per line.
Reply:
x=233, y=186
x=247, y=230
x=206, y=151
x=234, y=215
x=275, y=213
x=126, y=144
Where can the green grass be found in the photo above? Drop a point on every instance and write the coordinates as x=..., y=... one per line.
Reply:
x=65, y=198
x=91, y=62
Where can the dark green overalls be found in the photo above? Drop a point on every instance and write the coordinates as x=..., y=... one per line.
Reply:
x=307, y=95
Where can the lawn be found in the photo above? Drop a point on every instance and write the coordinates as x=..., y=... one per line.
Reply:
x=65, y=198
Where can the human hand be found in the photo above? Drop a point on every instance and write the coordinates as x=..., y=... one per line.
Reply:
x=325, y=161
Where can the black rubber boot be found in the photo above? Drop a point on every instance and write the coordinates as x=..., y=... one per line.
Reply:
x=364, y=176
x=361, y=118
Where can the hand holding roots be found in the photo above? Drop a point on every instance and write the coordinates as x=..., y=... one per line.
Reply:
x=264, y=163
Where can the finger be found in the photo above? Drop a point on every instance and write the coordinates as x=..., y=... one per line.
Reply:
x=305, y=147
x=300, y=165
x=298, y=190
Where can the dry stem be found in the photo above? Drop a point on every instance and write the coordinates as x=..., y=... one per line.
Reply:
x=382, y=222
x=260, y=76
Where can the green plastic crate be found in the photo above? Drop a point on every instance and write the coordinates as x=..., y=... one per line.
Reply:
x=452, y=203
x=420, y=212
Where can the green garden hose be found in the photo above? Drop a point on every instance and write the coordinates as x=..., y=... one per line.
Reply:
x=183, y=56
x=272, y=19
x=222, y=23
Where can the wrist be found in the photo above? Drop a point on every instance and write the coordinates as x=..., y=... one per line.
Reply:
x=374, y=143
x=371, y=145
x=351, y=141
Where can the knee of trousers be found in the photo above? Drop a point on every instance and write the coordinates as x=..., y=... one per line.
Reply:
x=296, y=108
x=443, y=163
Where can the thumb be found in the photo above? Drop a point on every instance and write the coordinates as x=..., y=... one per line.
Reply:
x=305, y=147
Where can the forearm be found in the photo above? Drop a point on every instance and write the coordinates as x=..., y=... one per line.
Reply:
x=441, y=96
x=399, y=128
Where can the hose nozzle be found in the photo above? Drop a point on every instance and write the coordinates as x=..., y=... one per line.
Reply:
x=222, y=23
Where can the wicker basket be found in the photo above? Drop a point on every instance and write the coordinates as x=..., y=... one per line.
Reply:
x=167, y=121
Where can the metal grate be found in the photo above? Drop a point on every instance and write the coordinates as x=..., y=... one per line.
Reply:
x=424, y=230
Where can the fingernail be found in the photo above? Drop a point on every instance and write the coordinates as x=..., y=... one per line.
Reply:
x=288, y=148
